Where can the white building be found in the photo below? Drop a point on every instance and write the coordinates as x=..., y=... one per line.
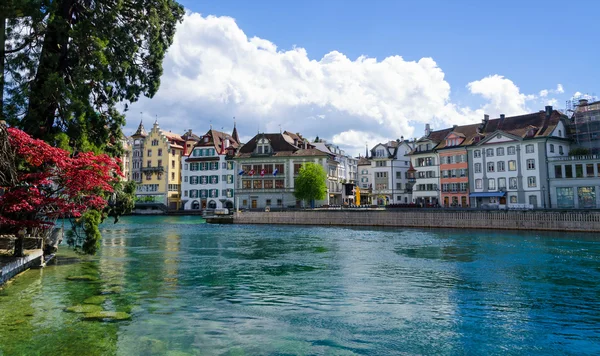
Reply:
x=389, y=165
x=425, y=160
x=508, y=164
x=345, y=172
x=209, y=172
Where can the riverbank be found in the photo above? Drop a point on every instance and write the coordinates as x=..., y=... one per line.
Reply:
x=466, y=219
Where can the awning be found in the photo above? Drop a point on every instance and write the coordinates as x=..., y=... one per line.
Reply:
x=487, y=194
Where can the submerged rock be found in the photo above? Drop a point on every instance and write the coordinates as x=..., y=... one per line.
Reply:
x=107, y=316
x=84, y=308
x=96, y=299
x=85, y=277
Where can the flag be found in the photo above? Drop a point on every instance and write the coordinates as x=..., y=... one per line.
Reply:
x=241, y=172
x=251, y=172
x=275, y=171
x=262, y=172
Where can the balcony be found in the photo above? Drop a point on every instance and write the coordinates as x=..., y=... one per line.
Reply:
x=158, y=169
x=575, y=158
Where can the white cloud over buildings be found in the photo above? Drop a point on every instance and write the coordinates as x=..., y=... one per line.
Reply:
x=214, y=71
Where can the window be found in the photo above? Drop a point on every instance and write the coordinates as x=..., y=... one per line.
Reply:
x=568, y=171
x=154, y=142
x=560, y=150
x=380, y=163
x=558, y=171
x=579, y=170
x=268, y=184
x=512, y=183
x=500, y=151
x=501, y=183
x=513, y=199
x=477, y=167
x=185, y=166
x=529, y=149
x=511, y=150
x=279, y=202
x=478, y=183
x=531, y=183
x=172, y=164
x=160, y=152
x=490, y=167
x=491, y=184
x=185, y=193
x=246, y=184
x=160, y=162
x=589, y=170
x=398, y=175
x=559, y=133
x=552, y=148
x=172, y=175
x=501, y=166
x=512, y=165
x=268, y=202
x=257, y=184
x=149, y=153
x=489, y=152
x=279, y=184
x=530, y=164
x=586, y=197
x=149, y=163
x=564, y=197
x=477, y=153
x=185, y=179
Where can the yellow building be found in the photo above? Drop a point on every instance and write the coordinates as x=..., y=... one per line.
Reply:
x=157, y=157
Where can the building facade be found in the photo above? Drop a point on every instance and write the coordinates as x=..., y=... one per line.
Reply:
x=425, y=160
x=209, y=172
x=454, y=166
x=159, y=180
x=509, y=163
x=267, y=167
x=389, y=166
x=574, y=182
x=586, y=126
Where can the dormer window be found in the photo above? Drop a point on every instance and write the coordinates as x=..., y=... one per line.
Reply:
x=205, y=138
x=559, y=133
x=263, y=146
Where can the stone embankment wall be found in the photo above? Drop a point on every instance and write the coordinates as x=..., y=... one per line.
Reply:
x=505, y=220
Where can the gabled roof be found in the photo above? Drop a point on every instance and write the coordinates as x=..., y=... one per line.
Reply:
x=363, y=161
x=434, y=137
x=467, y=132
x=281, y=146
x=217, y=140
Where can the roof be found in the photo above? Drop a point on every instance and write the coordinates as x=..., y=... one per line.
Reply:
x=363, y=161
x=435, y=137
x=140, y=131
x=520, y=125
x=468, y=132
x=217, y=140
x=281, y=145
x=173, y=136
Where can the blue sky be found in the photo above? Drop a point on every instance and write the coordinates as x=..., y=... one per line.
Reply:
x=535, y=43
x=522, y=47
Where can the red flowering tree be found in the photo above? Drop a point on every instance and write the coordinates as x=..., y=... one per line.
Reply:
x=51, y=183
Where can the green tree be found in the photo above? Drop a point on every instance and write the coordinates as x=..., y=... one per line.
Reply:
x=71, y=64
x=311, y=183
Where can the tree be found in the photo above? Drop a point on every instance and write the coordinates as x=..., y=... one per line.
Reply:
x=52, y=184
x=311, y=183
x=579, y=151
x=70, y=63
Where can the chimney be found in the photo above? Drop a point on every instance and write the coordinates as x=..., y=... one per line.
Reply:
x=401, y=138
x=548, y=110
x=501, y=122
x=583, y=102
x=427, y=130
x=454, y=127
x=486, y=118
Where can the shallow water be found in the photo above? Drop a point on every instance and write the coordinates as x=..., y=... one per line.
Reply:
x=198, y=289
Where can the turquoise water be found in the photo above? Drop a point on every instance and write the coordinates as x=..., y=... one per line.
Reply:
x=197, y=289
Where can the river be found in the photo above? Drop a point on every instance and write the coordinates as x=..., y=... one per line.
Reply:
x=189, y=288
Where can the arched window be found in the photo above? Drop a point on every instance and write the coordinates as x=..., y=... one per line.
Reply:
x=195, y=205
x=212, y=204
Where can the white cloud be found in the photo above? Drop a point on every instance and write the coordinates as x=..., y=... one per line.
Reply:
x=213, y=72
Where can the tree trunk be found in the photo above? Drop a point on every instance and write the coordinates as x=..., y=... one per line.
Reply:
x=45, y=96
x=2, y=46
x=19, y=246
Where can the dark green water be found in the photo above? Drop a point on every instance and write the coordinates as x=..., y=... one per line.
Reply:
x=198, y=289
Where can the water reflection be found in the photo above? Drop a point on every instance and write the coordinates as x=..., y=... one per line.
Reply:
x=193, y=288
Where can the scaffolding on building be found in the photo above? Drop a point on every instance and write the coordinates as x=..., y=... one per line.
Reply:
x=585, y=121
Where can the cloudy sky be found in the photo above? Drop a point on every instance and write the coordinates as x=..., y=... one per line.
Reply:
x=356, y=73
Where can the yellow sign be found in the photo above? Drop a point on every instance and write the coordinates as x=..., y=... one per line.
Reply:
x=357, y=195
